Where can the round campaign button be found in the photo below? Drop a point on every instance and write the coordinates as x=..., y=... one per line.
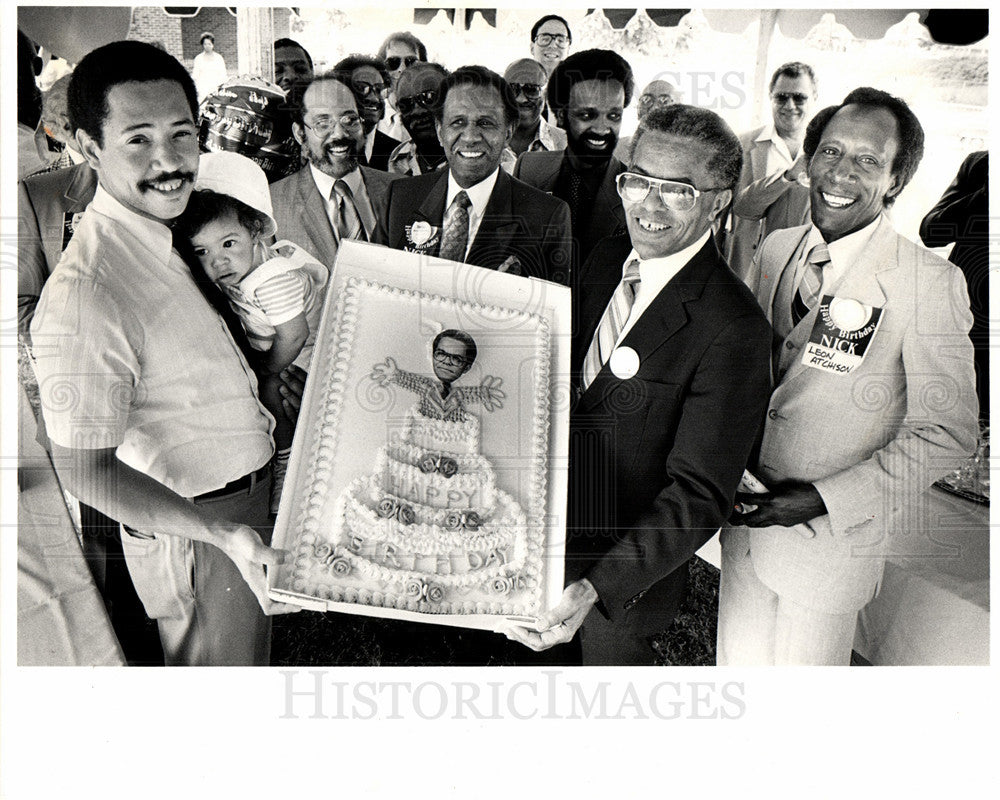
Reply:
x=420, y=232
x=624, y=362
x=848, y=314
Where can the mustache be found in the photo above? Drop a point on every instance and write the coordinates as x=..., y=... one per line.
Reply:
x=351, y=144
x=147, y=184
x=608, y=138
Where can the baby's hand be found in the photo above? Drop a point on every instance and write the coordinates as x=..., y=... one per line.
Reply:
x=385, y=373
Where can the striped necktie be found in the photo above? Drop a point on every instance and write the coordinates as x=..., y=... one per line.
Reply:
x=811, y=283
x=348, y=222
x=612, y=323
x=455, y=236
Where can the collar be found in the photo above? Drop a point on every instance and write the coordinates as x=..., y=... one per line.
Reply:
x=324, y=183
x=153, y=234
x=479, y=194
x=655, y=274
x=370, y=143
x=545, y=136
x=770, y=135
x=844, y=253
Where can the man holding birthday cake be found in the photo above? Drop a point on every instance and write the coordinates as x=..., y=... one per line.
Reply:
x=670, y=360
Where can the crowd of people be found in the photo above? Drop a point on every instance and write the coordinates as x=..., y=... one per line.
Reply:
x=174, y=291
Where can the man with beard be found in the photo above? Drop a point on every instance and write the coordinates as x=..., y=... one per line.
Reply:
x=475, y=212
x=399, y=51
x=368, y=79
x=771, y=194
x=588, y=93
x=417, y=95
x=164, y=432
x=527, y=80
x=332, y=197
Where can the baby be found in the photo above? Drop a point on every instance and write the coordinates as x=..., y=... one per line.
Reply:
x=273, y=289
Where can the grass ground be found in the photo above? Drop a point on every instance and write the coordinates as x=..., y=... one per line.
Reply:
x=313, y=639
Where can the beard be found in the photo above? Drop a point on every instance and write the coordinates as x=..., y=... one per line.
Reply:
x=330, y=163
x=582, y=149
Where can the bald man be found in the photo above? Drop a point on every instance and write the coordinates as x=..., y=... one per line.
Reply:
x=657, y=94
x=527, y=78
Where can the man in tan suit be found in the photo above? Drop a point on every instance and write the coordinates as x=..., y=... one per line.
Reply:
x=874, y=396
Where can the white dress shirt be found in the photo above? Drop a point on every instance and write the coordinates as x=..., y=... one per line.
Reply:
x=355, y=182
x=654, y=274
x=844, y=253
x=479, y=195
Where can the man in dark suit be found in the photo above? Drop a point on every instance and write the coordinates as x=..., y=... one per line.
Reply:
x=475, y=212
x=671, y=357
x=588, y=93
x=368, y=78
x=332, y=197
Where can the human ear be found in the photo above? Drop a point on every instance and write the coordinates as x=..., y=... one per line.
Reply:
x=89, y=148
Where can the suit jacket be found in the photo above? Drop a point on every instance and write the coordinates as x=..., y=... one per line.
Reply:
x=382, y=147
x=300, y=211
x=46, y=204
x=655, y=459
x=762, y=203
x=520, y=224
x=871, y=441
x=541, y=170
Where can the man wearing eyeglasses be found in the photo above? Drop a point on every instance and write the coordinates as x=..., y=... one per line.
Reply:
x=550, y=41
x=332, y=197
x=657, y=94
x=474, y=212
x=588, y=93
x=368, y=78
x=417, y=95
x=527, y=79
x=399, y=51
x=670, y=359
x=772, y=194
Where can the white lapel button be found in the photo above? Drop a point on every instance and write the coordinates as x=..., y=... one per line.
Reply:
x=624, y=362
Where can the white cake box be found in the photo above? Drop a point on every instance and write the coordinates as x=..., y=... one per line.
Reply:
x=427, y=478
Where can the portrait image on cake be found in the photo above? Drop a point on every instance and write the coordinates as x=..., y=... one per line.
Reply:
x=426, y=486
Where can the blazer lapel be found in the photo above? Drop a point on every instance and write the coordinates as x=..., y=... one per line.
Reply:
x=431, y=210
x=314, y=218
x=496, y=227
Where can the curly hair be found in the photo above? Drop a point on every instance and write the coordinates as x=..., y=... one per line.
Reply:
x=910, y=133
x=588, y=65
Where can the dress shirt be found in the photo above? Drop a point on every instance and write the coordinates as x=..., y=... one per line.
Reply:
x=548, y=137
x=479, y=195
x=844, y=253
x=355, y=182
x=654, y=274
x=779, y=158
x=130, y=355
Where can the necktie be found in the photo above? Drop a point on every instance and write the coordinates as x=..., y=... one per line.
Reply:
x=611, y=324
x=811, y=283
x=455, y=236
x=348, y=222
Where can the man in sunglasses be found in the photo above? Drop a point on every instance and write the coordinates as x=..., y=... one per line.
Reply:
x=474, y=212
x=588, y=93
x=399, y=51
x=368, y=78
x=657, y=94
x=772, y=194
x=332, y=197
x=671, y=362
x=417, y=95
x=527, y=78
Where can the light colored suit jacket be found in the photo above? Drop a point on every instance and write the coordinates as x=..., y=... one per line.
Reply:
x=871, y=441
x=762, y=203
x=300, y=211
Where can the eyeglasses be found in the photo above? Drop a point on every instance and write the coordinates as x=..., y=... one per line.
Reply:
x=426, y=99
x=661, y=100
x=530, y=90
x=545, y=39
x=393, y=62
x=451, y=359
x=325, y=125
x=635, y=188
x=364, y=89
x=783, y=97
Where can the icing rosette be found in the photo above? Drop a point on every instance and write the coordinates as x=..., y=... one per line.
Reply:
x=340, y=566
x=389, y=508
x=435, y=593
x=453, y=520
x=471, y=521
x=406, y=515
x=501, y=585
x=428, y=464
x=386, y=507
x=447, y=466
x=413, y=589
x=322, y=551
